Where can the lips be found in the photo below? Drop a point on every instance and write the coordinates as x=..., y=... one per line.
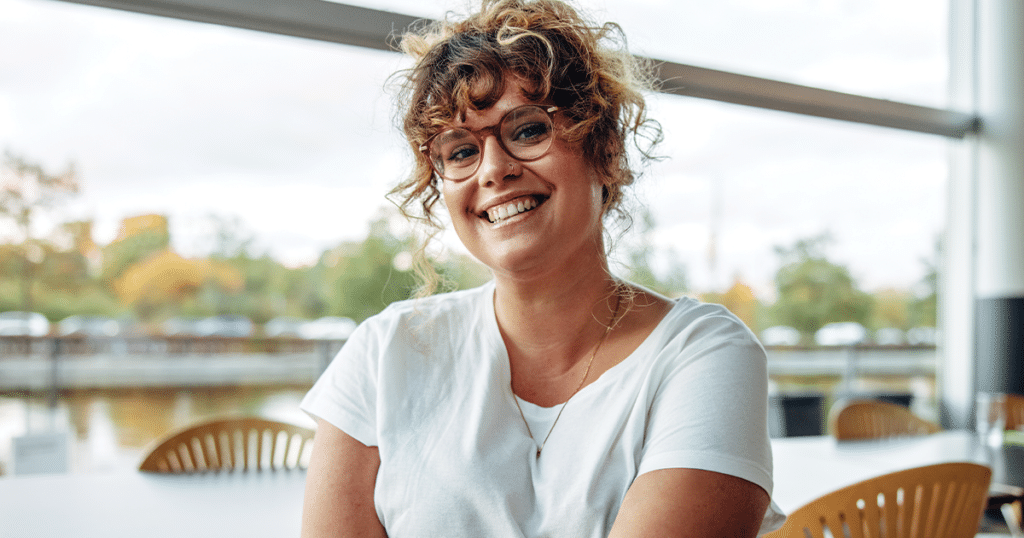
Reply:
x=512, y=208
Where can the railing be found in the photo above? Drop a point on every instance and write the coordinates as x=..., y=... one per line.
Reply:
x=57, y=363
x=28, y=363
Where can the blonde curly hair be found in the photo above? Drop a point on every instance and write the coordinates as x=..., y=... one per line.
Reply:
x=557, y=56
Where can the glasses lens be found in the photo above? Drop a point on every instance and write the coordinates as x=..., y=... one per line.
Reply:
x=455, y=153
x=526, y=132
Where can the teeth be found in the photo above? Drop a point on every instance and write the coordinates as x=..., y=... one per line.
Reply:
x=510, y=210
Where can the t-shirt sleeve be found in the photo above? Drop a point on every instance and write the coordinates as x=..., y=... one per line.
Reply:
x=711, y=404
x=345, y=395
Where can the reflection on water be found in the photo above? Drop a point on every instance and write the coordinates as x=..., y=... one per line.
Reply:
x=111, y=429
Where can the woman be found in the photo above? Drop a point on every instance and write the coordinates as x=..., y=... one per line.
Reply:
x=556, y=400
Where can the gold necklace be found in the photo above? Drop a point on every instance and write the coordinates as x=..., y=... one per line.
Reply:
x=604, y=335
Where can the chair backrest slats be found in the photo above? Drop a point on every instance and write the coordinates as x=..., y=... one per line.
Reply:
x=1014, y=412
x=936, y=501
x=874, y=419
x=242, y=444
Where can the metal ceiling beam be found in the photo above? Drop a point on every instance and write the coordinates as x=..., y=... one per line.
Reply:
x=310, y=19
x=772, y=94
x=375, y=29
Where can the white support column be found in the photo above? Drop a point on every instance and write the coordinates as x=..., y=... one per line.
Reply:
x=982, y=308
x=999, y=307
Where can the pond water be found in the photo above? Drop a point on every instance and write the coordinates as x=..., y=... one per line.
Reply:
x=110, y=430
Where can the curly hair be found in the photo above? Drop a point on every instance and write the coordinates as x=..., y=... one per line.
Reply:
x=557, y=56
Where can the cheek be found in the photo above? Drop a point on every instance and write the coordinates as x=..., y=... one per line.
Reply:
x=454, y=200
x=449, y=196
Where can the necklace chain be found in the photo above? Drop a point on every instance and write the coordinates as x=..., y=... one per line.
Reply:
x=586, y=372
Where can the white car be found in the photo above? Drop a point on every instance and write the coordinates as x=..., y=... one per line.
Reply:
x=284, y=326
x=327, y=328
x=889, y=336
x=227, y=325
x=780, y=335
x=89, y=326
x=922, y=336
x=23, y=324
x=846, y=333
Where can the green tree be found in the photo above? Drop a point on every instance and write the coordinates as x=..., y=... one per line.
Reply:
x=639, y=261
x=28, y=192
x=368, y=276
x=813, y=291
x=923, y=307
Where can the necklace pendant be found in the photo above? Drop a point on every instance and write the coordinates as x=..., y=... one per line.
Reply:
x=538, y=452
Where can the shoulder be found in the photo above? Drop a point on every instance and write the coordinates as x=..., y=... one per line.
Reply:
x=430, y=314
x=698, y=320
x=697, y=333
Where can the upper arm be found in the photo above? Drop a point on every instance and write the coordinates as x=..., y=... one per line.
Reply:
x=676, y=503
x=340, y=483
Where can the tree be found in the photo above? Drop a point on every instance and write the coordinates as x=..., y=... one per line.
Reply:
x=139, y=238
x=813, y=291
x=923, y=307
x=740, y=300
x=28, y=192
x=368, y=276
x=890, y=309
x=639, y=262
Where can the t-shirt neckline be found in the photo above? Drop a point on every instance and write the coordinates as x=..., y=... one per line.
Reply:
x=606, y=377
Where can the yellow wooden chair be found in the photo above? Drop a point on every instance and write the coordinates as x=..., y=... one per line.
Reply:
x=875, y=419
x=935, y=501
x=1014, y=412
x=241, y=444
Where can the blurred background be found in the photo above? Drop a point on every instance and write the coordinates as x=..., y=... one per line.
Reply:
x=193, y=217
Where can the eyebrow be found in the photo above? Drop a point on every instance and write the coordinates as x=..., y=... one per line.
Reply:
x=450, y=133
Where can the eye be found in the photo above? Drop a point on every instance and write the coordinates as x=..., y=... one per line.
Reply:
x=461, y=154
x=530, y=133
x=454, y=148
x=525, y=127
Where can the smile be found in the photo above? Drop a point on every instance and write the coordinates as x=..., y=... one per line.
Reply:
x=511, y=209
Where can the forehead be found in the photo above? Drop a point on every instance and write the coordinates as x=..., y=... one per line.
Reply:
x=511, y=98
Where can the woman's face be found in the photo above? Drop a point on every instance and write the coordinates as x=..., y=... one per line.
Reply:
x=561, y=194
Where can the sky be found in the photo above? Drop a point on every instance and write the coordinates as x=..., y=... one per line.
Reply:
x=295, y=138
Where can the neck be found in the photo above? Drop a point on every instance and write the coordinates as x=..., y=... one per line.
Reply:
x=551, y=328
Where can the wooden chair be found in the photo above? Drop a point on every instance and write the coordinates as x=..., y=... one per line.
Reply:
x=874, y=419
x=935, y=501
x=1014, y=412
x=231, y=444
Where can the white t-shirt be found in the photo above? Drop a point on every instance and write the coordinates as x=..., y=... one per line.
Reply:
x=428, y=382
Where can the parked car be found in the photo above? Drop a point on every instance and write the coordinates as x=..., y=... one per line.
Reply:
x=16, y=323
x=328, y=328
x=889, y=336
x=846, y=333
x=922, y=336
x=180, y=326
x=780, y=335
x=101, y=326
x=284, y=326
x=225, y=325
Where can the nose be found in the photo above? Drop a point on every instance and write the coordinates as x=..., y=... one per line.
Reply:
x=496, y=165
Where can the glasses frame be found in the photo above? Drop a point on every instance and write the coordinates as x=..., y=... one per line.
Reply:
x=494, y=130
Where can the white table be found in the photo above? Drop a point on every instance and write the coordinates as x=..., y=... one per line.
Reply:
x=808, y=467
x=134, y=504
x=256, y=505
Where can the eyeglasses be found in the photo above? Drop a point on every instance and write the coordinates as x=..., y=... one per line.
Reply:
x=524, y=132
